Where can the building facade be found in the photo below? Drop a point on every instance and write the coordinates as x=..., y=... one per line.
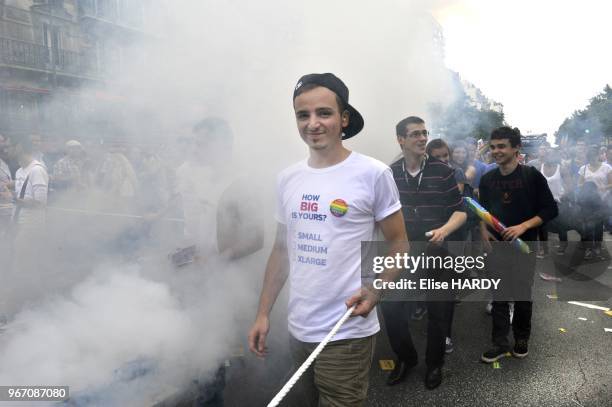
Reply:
x=51, y=48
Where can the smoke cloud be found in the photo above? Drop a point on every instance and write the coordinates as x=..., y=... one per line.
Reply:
x=239, y=60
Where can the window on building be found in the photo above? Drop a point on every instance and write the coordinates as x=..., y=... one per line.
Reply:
x=52, y=41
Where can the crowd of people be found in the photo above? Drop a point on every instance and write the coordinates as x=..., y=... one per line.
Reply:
x=51, y=200
x=326, y=205
x=578, y=176
x=419, y=199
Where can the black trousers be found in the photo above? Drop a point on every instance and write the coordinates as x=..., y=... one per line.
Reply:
x=440, y=305
x=543, y=238
x=521, y=322
x=592, y=234
x=516, y=271
x=397, y=322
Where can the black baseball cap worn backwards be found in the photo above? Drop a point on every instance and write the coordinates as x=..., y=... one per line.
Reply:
x=333, y=83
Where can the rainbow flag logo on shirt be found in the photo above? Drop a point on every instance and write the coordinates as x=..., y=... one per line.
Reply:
x=338, y=207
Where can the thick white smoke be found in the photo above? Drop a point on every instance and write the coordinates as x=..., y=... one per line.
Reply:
x=238, y=60
x=100, y=325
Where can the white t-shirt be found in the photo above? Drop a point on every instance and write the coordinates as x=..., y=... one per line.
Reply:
x=35, y=190
x=555, y=182
x=328, y=212
x=599, y=177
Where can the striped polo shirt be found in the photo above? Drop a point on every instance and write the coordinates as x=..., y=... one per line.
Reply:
x=429, y=198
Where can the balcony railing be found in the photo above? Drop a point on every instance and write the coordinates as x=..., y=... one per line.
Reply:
x=40, y=57
x=114, y=13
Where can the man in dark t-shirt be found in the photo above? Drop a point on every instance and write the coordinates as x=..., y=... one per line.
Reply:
x=519, y=197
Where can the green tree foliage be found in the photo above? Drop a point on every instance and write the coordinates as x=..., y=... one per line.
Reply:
x=594, y=123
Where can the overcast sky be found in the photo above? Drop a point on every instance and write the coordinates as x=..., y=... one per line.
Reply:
x=542, y=59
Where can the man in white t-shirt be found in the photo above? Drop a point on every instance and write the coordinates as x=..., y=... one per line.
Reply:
x=31, y=187
x=222, y=229
x=327, y=205
x=37, y=148
x=219, y=206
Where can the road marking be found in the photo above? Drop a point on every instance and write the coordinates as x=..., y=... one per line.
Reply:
x=386, y=364
x=582, y=304
x=608, y=329
x=583, y=319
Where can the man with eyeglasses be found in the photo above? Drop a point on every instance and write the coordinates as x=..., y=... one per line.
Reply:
x=433, y=211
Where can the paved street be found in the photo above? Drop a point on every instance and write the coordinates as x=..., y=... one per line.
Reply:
x=569, y=362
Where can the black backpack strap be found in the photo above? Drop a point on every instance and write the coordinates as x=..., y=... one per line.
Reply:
x=23, y=187
x=21, y=196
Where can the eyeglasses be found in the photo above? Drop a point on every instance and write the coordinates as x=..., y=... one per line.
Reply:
x=417, y=133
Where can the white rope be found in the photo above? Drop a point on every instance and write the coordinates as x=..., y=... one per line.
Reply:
x=116, y=215
x=283, y=392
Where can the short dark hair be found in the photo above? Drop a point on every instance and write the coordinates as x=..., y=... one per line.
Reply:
x=512, y=134
x=436, y=144
x=400, y=128
x=311, y=86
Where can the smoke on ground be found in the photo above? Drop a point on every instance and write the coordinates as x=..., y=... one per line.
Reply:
x=238, y=60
